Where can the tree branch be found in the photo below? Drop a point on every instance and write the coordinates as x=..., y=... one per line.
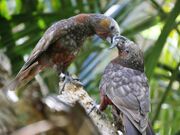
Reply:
x=73, y=93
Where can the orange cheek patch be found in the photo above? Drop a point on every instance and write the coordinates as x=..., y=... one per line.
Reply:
x=105, y=23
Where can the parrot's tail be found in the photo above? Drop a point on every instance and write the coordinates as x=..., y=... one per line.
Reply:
x=130, y=129
x=149, y=130
x=23, y=77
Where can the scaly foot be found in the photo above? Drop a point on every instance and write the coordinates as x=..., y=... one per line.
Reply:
x=96, y=108
x=66, y=78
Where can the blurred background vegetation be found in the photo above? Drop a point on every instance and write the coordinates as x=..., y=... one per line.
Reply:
x=152, y=24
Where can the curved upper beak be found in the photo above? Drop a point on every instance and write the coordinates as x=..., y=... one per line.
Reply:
x=113, y=41
x=116, y=40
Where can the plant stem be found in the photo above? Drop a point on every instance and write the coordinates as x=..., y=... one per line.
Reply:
x=173, y=78
x=153, y=55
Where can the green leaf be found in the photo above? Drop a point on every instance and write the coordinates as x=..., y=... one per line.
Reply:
x=153, y=55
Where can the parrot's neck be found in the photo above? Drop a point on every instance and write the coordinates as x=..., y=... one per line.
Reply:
x=83, y=20
x=137, y=65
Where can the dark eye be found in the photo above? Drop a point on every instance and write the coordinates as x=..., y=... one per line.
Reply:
x=127, y=51
x=112, y=28
x=122, y=42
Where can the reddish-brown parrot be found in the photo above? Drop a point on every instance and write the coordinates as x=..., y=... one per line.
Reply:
x=62, y=41
x=125, y=86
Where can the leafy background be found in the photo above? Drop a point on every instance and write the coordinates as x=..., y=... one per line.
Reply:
x=152, y=24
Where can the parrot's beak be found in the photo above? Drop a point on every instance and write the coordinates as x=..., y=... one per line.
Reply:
x=109, y=39
x=118, y=40
x=114, y=41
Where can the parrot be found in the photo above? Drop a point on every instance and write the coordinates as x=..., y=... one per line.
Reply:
x=61, y=43
x=124, y=85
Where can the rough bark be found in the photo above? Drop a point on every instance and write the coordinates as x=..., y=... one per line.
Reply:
x=60, y=114
x=73, y=93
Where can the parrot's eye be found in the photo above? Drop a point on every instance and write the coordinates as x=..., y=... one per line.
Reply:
x=127, y=51
x=122, y=42
x=112, y=27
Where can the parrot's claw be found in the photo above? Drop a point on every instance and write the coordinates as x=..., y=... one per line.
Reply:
x=95, y=107
x=66, y=78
